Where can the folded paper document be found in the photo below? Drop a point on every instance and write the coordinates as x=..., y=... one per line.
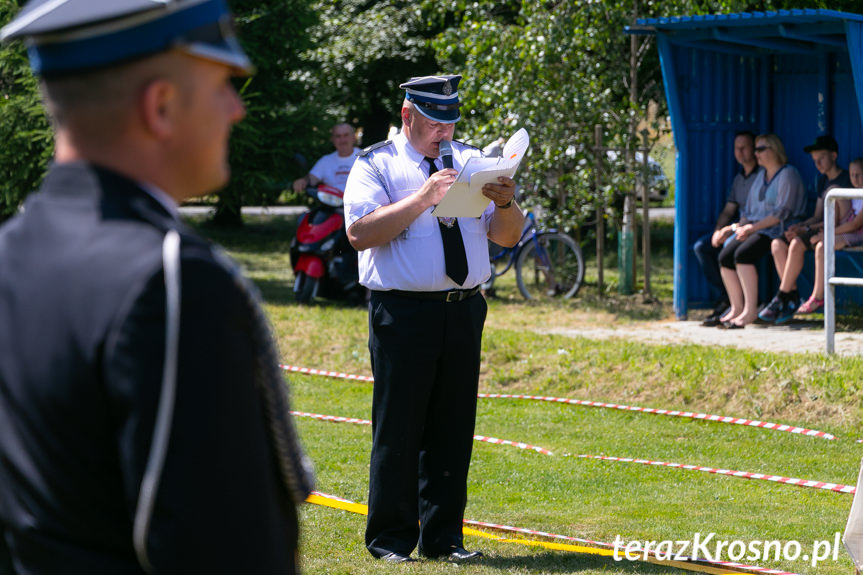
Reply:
x=464, y=198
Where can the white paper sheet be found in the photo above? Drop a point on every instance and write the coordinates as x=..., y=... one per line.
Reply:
x=464, y=198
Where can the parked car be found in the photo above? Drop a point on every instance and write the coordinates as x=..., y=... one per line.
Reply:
x=658, y=182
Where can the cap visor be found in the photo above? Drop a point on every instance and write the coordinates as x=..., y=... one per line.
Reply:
x=442, y=116
x=227, y=52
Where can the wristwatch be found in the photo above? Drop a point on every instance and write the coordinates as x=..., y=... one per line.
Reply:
x=733, y=227
x=507, y=205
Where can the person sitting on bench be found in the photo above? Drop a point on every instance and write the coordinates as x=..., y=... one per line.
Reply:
x=790, y=248
x=776, y=198
x=849, y=233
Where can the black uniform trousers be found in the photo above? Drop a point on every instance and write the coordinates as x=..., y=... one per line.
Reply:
x=425, y=359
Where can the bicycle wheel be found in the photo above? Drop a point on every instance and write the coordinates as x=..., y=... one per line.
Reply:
x=500, y=260
x=549, y=265
x=489, y=283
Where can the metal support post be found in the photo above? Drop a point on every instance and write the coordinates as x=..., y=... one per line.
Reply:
x=830, y=261
x=600, y=209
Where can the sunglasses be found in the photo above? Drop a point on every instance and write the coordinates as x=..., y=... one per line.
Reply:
x=762, y=148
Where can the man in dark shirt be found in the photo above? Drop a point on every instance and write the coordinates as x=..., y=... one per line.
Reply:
x=707, y=248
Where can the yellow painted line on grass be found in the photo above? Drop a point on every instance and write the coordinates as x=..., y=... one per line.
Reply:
x=362, y=509
x=359, y=508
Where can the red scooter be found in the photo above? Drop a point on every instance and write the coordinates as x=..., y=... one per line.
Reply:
x=324, y=262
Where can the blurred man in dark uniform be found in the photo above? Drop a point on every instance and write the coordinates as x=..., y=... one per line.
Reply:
x=143, y=418
x=426, y=317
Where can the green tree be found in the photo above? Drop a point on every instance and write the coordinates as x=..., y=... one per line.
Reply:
x=363, y=50
x=280, y=112
x=25, y=134
x=559, y=68
x=545, y=68
x=263, y=147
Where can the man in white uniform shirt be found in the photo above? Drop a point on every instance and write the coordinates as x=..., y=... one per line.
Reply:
x=426, y=317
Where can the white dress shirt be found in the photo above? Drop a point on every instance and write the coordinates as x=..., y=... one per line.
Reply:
x=414, y=260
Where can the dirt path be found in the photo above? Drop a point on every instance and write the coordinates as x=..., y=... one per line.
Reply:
x=799, y=337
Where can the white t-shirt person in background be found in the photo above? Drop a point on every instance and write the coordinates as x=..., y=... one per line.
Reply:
x=333, y=169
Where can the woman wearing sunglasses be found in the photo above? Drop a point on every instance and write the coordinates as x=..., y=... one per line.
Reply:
x=777, y=198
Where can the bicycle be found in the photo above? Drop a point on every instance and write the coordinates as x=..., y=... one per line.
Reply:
x=548, y=264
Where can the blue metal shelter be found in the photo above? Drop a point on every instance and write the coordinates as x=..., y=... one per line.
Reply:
x=795, y=73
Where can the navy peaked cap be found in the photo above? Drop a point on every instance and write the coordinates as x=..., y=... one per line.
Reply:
x=435, y=97
x=66, y=36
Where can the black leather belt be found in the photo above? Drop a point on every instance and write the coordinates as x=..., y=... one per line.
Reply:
x=447, y=296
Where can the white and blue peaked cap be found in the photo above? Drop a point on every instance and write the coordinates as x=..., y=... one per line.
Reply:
x=435, y=97
x=67, y=36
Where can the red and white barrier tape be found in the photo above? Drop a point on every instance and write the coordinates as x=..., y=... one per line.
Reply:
x=838, y=488
x=730, y=472
x=514, y=444
x=586, y=403
x=332, y=418
x=358, y=508
x=525, y=531
x=494, y=440
x=310, y=371
x=670, y=412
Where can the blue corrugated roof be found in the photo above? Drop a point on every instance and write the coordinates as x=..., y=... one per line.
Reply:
x=800, y=31
x=797, y=16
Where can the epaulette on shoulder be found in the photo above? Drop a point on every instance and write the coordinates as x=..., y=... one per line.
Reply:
x=466, y=145
x=374, y=147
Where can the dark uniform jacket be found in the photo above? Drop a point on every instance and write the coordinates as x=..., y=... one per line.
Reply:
x=82, y=342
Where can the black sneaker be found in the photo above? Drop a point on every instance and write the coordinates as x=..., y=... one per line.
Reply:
x=787, y=311
x=770, y=312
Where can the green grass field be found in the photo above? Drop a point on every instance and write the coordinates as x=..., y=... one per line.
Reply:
x=560, y=493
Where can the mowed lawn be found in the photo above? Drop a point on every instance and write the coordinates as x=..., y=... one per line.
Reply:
x=561, y=493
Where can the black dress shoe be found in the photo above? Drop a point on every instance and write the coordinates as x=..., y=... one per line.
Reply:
x=394, y=557
x=721, y=308
x=462, y=554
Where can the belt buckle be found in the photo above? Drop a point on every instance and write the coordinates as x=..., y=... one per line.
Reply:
x=452, y=296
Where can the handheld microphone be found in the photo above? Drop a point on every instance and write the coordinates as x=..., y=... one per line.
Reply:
x=445, y=148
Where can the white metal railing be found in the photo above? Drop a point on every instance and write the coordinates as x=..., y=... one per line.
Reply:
x=830, y=260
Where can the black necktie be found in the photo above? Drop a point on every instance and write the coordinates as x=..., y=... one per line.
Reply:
x=453, y=244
